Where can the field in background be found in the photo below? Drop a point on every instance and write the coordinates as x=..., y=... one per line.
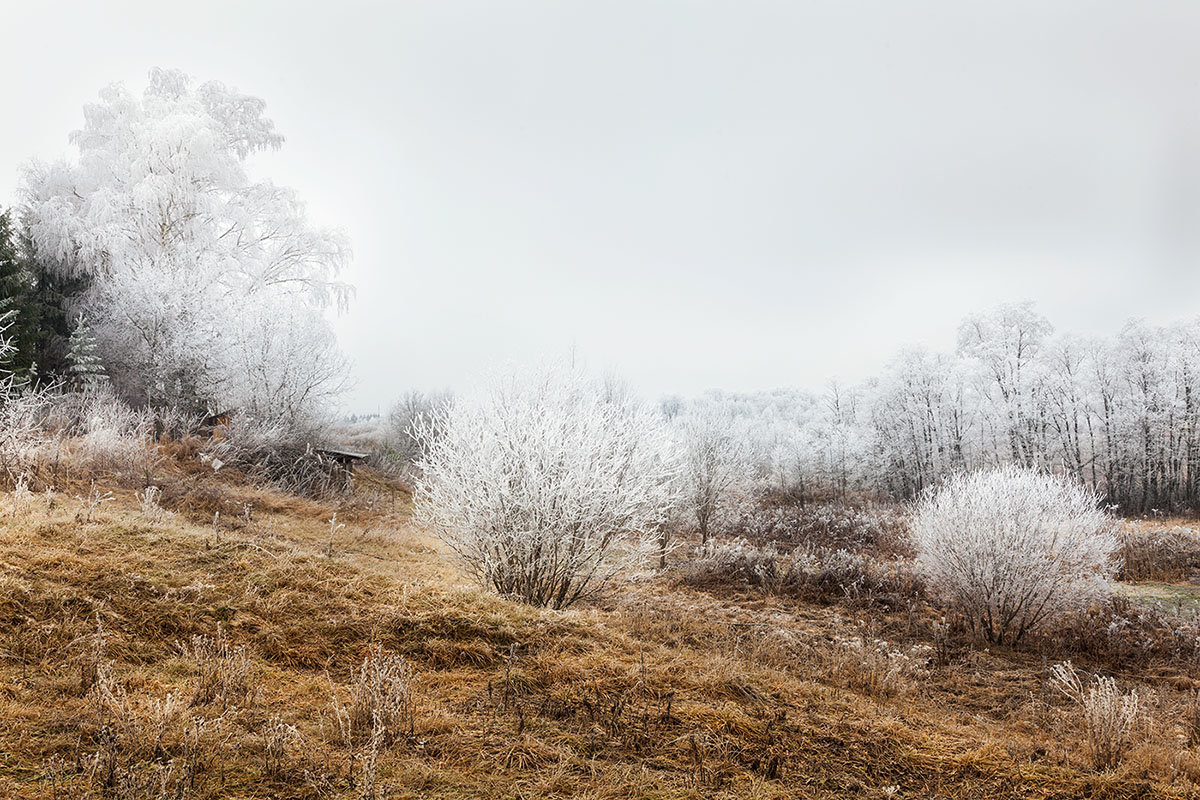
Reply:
x=208, y=642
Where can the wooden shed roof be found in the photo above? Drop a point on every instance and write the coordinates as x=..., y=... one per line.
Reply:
x=341, y=455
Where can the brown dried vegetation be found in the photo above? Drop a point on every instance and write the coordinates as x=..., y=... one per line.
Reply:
x=223, y=651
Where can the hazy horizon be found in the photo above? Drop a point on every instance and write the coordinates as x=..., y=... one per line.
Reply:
x=694, y=195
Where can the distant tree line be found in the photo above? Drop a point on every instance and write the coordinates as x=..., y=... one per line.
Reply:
x=1120, y=415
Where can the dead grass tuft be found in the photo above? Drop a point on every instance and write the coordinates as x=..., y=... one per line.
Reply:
x=224, y=671
x=381, y=702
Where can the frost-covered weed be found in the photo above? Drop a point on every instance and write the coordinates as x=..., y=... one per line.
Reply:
x=381, y=701
x=278, y=737
x=149, y=501
x=875, y=667
x=224, y=670
x=21, y=498
x=92, y=503
x=1108, y=714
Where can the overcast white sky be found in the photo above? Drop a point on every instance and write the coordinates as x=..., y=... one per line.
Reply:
x=694, y=194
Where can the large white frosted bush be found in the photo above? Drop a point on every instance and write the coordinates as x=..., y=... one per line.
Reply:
x=1011, y=548
x=546, y=485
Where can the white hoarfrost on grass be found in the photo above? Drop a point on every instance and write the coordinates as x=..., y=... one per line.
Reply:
x=1011, y=548
x=547, y=485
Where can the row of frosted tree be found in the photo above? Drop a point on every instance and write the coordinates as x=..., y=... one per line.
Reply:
x=1119, y=414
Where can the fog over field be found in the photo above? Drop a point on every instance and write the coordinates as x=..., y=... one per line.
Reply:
x=698, y=195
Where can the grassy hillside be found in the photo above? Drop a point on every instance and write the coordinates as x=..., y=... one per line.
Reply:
x=214, y=650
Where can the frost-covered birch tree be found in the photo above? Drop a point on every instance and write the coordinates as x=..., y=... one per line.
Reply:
x=174, y=244
x=1006, y=344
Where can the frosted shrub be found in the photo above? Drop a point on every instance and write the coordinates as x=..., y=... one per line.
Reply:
x=546, y=486
x=1011, y=547
x=244, y=438
x=832, y=525
x=401, y=445
x=112, y=436
x=1158, y=553
x=1108, y=714
x=23, y=439
x=282, y=454
x=767, y=568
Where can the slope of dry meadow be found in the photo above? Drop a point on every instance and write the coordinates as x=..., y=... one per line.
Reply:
x=212, y=649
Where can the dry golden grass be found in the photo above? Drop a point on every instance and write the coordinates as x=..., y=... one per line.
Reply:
x=659, y=691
